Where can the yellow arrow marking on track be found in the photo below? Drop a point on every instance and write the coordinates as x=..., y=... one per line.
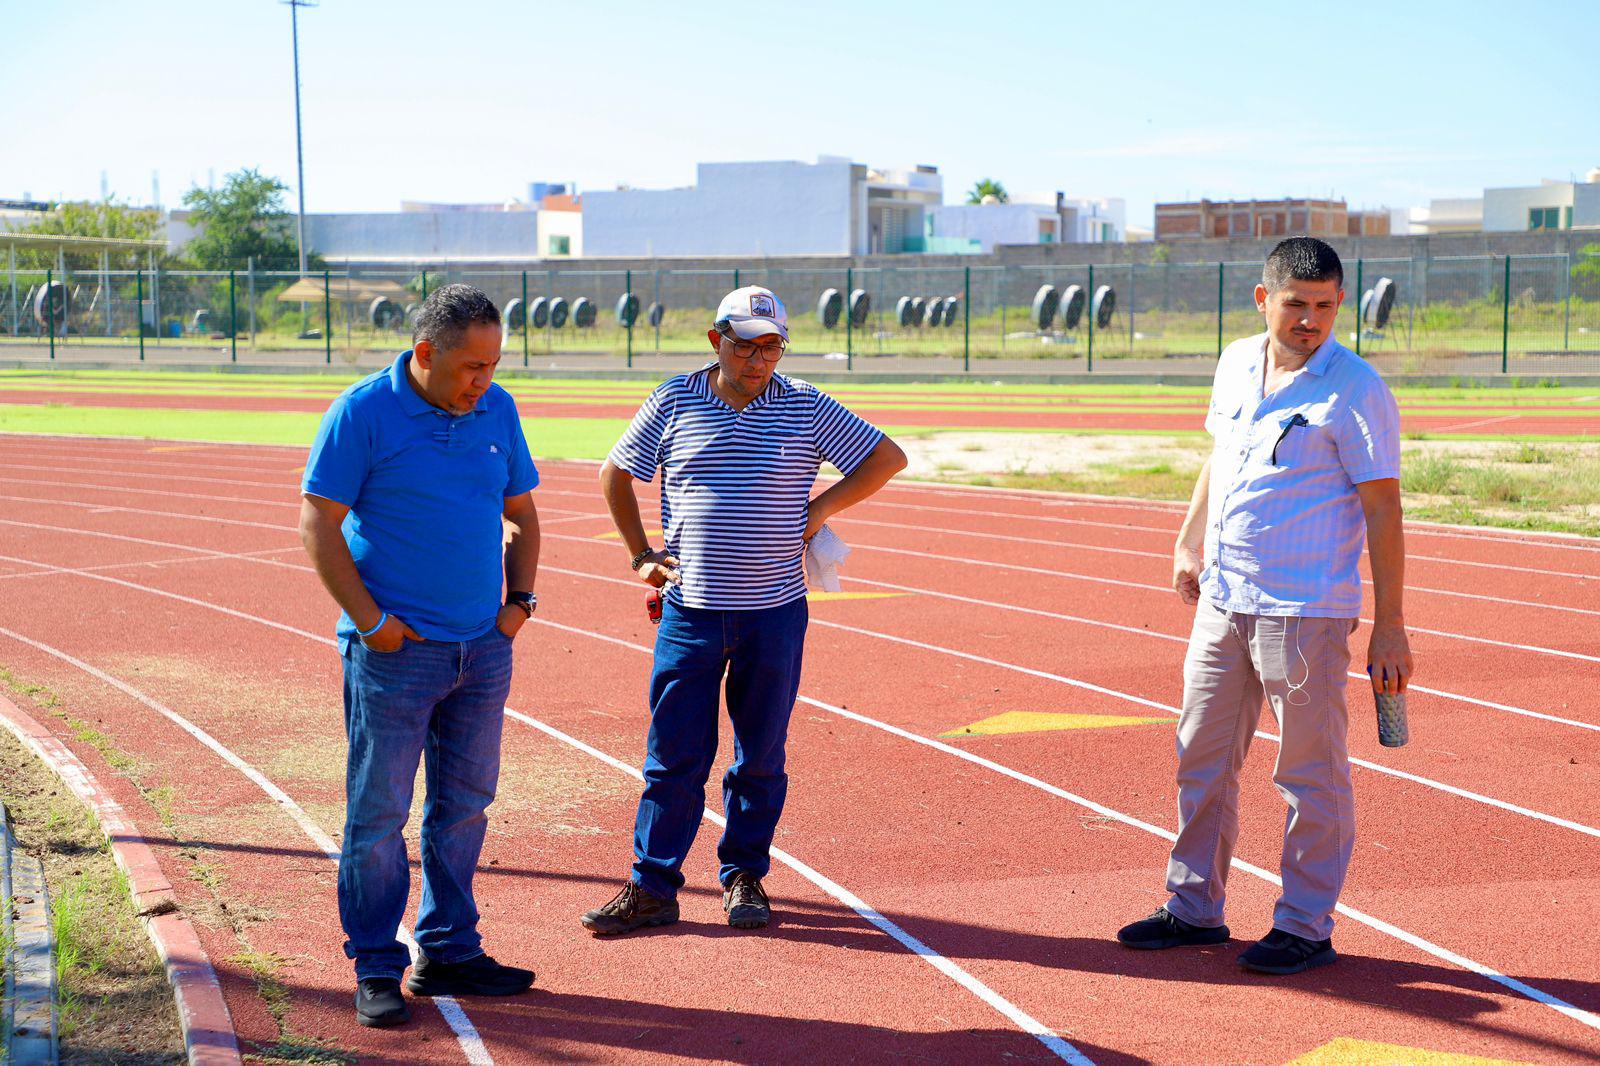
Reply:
x=1347, y=1051
x=1041, y=721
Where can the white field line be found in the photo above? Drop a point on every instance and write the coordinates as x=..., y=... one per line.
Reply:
x=1521, y=987
x=1128, y=697
x=1473, y=425
x=472, y=1045
x=1057, y=1045
x=1443, y=693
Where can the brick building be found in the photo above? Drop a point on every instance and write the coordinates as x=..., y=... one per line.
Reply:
x=1210, y=219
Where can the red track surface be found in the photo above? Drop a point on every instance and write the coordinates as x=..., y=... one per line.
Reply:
x=1024, y=601
x=902, y=411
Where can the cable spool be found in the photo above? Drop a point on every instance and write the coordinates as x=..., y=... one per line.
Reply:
x=1378, y=303
x=558, y=312
x=935, y=308
x=860, y=307
x=918, y=309
x=1045, y=302
x=1103, y=306
x=903, y=311
x=410, y=312
x=50, y=297
x=539, y=312
x=583, y=313
x=627, y=310
x=829, y=306
x=655, y=314
x=384, y=313
x=952, y=304
x=201, y=321
x=1072, y=301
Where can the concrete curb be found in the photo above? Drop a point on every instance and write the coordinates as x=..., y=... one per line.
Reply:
x=208, y=1034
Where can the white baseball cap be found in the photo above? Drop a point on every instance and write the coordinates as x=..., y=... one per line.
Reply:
x=753, y=312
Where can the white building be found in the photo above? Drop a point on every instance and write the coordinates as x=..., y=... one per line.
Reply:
x=1027, y=219
x=1550, y=205
x=830, y=207
x=1452, y=215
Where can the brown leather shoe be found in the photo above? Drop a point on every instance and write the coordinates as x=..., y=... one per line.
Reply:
x=746, y=902
x=632, y=908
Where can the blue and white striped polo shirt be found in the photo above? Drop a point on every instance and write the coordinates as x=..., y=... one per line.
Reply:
x=1284, y=534
x=735, y=484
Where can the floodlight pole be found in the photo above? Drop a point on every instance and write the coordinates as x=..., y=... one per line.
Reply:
x=299, y=152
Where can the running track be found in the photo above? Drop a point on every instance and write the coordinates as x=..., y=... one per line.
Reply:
x=945, y=899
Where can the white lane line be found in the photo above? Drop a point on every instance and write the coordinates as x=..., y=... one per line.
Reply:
x=1057, y=1045
x=291, y=483
x=1442, y=693
x=472, y=1045
x=1473, y=425
x=98, y=508
x=1024, y=1021
x=1521, y=987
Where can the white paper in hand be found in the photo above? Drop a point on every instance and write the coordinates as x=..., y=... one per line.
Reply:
x=823, y=556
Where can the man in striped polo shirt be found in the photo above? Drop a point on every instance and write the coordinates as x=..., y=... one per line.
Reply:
x=738, y=447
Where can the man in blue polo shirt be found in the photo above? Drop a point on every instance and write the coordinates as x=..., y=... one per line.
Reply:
x=738, y=447
x=416, y=474
x=1306, y=465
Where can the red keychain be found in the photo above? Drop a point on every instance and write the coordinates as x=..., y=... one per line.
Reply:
x=652, y=605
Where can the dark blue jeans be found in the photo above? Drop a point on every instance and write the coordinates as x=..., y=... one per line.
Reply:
x=760, y=653
x=443, y=703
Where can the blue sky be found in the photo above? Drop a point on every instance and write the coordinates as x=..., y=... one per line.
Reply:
x=1378, y=103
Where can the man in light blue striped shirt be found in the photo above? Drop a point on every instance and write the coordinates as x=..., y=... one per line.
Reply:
x=738, y=447
x=1306, y=464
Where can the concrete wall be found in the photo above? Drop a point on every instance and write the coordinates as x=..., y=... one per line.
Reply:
x=509, y=235
x=732, y=209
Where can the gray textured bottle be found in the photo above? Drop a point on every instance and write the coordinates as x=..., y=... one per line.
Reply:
x=1392, y=731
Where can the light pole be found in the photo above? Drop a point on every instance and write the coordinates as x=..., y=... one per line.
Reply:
x=299, y=152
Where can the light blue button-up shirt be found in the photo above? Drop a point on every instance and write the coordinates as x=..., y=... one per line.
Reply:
x=1285, y=526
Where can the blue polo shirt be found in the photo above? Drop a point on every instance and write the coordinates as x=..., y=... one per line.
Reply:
x=426, y=490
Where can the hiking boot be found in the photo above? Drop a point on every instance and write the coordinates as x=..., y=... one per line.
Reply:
x=632, y=908
x=379, y=1003
x=1163, y=929
x=746, y=902
x=478, y=976
x=1279, y=952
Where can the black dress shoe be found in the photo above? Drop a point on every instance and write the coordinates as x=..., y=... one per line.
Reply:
x=1163, y=929
x=632, y=908
x=1279, y=953
x=379, y=1003
x=480, y=976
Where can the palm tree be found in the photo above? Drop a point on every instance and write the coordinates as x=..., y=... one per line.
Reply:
x=987, y=188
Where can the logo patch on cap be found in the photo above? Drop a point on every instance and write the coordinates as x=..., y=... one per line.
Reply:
x=761, y=306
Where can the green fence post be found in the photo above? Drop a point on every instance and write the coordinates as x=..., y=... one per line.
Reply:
x=627, y=295
x=233, y=321
x=424, y=283
x=849, y=319
x=138, y=283
x=524, y=319
x=1566, y=313
x=1089, y=367
x=327, y=319
x=966, y=322
x=50, y=309
x=1505, y=320
x=1133, y=293
x=736, y=277
x=1360, y=263
x=1219, y=310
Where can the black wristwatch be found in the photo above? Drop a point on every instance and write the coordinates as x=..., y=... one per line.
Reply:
x=526, y=600
x=638, y=560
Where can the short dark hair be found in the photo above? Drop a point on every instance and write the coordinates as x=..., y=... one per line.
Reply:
x=444, y=316
x=1301, y=259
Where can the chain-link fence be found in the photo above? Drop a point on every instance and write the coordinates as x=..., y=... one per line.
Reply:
x=1525, y=315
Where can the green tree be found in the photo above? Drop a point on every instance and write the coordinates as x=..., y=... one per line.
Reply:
x=83, y=219
x=1586, y=271
x=243, y=220
x=988, y=187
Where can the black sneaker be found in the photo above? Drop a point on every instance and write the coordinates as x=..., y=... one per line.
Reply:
x=632, y=908
x=379, y=1003
x=1279, y=952
x=480, y=976
x=1163, y=929
x=746, y=902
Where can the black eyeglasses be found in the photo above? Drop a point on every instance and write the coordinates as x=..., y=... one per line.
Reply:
x=744, y=349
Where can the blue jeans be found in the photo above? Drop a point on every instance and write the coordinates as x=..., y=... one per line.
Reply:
x=442, y=702
x=760, y=653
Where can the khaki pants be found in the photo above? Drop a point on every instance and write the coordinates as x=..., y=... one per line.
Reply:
x=1299, y=664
